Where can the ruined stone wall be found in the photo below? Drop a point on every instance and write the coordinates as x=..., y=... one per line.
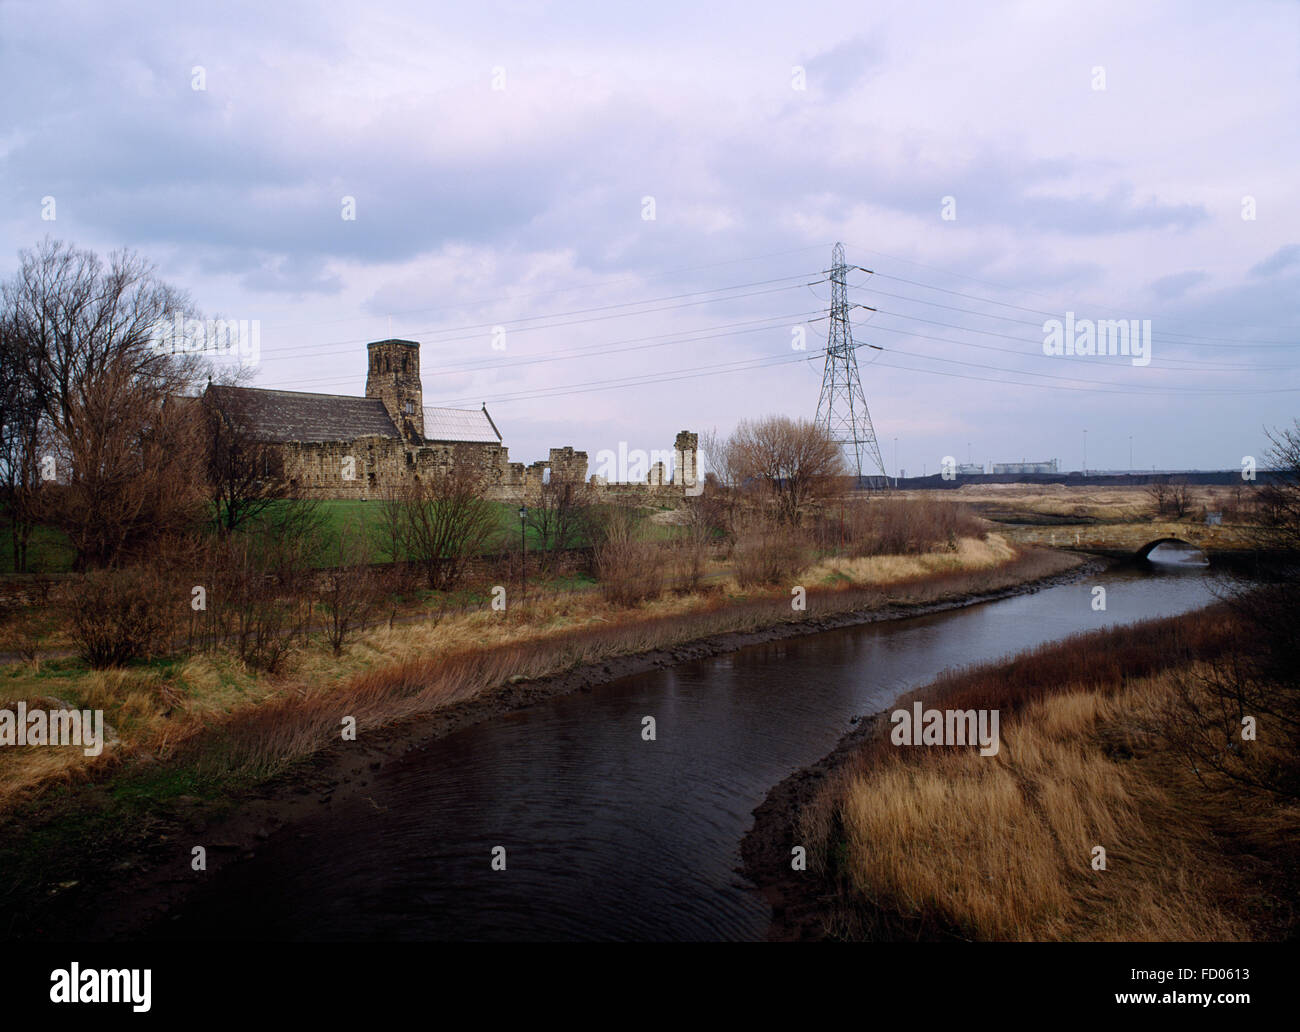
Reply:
x=686, y=458
x=342, y=469
x=369, y=467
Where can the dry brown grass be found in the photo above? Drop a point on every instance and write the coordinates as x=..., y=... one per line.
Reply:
x=214, y=710
x=970, y=554
x=1090, y=503
x=936, y=842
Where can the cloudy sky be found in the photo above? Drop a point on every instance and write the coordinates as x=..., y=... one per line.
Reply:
x=645, y=199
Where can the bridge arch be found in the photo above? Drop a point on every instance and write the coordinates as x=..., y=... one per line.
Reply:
x=1145, y=551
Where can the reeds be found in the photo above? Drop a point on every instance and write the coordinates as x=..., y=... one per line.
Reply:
x=945, y=843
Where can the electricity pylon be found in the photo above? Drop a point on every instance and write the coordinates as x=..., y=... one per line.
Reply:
x=842, y=409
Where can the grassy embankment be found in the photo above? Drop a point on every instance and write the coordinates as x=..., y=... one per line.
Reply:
x=1110, y=519
x=224, y=723
x=917, y=842
x=49, y=550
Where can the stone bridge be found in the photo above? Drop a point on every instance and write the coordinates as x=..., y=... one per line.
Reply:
x=1122, y=540
x=1145, y=551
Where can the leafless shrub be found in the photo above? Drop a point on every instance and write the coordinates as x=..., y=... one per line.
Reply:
x=290, y=539
x=899, y=526
x=1171, y=496
x=765, y=554
x=256, y=597
x=116, y=616
x=390, y=530
x=23, y=630
x=245, y=476
x=559, y=515
x=260, y=617
x=1257, y=686
x=347, y=591
x=447, y=521
x=691, y=546
x=628, y=565
x=122, y=439
x=794, y=463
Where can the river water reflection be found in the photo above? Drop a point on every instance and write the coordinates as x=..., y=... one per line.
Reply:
x=608, y=836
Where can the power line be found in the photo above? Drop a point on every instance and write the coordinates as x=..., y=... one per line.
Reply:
x=1176, y=337
x=547, y=293
x=772, y=322
x=999, y=286
x=610, y=348
x=512, y=327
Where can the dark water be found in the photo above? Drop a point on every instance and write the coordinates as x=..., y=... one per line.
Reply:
x=608, y=836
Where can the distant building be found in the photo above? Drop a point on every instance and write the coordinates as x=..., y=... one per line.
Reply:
x=967, y=469
x=1025, y=467
x=341, y=446
x=1214, y=519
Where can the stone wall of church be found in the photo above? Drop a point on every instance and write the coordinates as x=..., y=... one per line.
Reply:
x=370, y=466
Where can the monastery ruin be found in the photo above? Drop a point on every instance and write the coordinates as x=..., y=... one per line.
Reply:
x=340, y=446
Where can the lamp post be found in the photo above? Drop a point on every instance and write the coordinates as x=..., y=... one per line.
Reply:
x=523, y=554
x=1085, y=453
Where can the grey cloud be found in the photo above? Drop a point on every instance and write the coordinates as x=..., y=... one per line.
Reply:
x=1282, y=258
x=844, y=65
x=1177, y=284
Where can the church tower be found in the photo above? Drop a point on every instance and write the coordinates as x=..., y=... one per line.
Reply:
x=393, y=377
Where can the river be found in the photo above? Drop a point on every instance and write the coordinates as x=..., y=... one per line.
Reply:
x=608, y=836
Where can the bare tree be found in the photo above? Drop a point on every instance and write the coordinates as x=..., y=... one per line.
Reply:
x=721, y=482
x=1258, y=682
x=694, y=537
x=121, y=451
x=291, y=538
x=1280, y=496
x=559, y=514
x=628, y=564
x=245, y=475
x=1180, y=498
x=795, y=462
x=346, y=591
x=719, y=456
x=1158, y=492
x=20, y=429
x=389, y=532
x=447, y=521
x=130, y=458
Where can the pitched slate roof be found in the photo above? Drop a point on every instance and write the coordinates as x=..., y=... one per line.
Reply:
x=471, y=426
x=280, y=416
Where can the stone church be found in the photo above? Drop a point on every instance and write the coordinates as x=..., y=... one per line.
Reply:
x=340, y=446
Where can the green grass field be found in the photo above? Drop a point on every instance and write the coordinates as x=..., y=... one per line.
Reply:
x=340, y=513
x=49, y=550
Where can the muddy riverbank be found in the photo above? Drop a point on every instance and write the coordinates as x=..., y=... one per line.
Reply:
x=155, y=879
